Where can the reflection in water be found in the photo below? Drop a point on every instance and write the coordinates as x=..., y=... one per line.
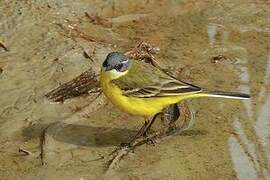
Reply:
x=212, y=31
x=242, y=165
x=250, y=152
x=247, y=155
x=243, y=153
x=263, y=118
x=244, y=86
x=262, y=123
x=262, y=92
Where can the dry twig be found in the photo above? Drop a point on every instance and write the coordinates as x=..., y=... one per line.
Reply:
x=25, y=152
x=86, y=83
x=2, y=45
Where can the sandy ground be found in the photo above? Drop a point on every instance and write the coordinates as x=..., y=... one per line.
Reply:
x=44, y=44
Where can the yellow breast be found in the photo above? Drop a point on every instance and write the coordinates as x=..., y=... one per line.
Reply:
x=134, y=105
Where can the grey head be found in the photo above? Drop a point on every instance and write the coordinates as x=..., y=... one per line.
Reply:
x=117, y=61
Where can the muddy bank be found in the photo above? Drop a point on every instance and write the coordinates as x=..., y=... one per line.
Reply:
x=47, y=43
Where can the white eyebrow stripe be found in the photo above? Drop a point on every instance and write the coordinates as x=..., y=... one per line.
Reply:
x=124, y=61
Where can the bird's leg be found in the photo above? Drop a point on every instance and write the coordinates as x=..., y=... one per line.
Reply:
x=171, y=115
x=142, y=132
x=145, y=128
x=138, y=134
x=149, y=125
x=177, y=118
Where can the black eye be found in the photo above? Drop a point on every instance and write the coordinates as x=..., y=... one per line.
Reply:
x=118, y=67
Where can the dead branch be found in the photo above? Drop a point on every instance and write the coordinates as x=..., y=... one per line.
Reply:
x=85, y=83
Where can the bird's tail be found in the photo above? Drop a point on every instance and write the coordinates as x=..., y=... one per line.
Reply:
x=223, y=94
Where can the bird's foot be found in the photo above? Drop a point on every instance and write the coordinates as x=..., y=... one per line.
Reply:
x=153, y=141
x=125, y=145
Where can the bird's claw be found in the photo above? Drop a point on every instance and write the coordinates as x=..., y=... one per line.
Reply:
x=125, y=145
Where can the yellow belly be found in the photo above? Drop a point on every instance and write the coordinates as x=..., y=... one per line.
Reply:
x=136, y=106
x=139, y=106
x=146, y=106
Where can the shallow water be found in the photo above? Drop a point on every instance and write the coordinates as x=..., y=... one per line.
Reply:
x=46, y=41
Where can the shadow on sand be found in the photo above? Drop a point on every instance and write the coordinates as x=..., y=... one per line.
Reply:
x=89, y=135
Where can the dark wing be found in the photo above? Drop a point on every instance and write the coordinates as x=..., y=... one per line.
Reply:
x=144, y=80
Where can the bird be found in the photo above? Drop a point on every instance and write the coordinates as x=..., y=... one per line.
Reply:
x=140, y=89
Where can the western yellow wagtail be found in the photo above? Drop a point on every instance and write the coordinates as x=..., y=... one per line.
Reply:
x=141, y=89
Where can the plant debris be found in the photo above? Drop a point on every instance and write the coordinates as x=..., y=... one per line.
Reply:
x=97, y=20
x=2, y=45
x=85, y=83
x=144, y=51
x=218, y=58
x=25, y=152
x=71, y=30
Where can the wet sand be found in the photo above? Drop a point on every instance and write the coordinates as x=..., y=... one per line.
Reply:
x=214, y=44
